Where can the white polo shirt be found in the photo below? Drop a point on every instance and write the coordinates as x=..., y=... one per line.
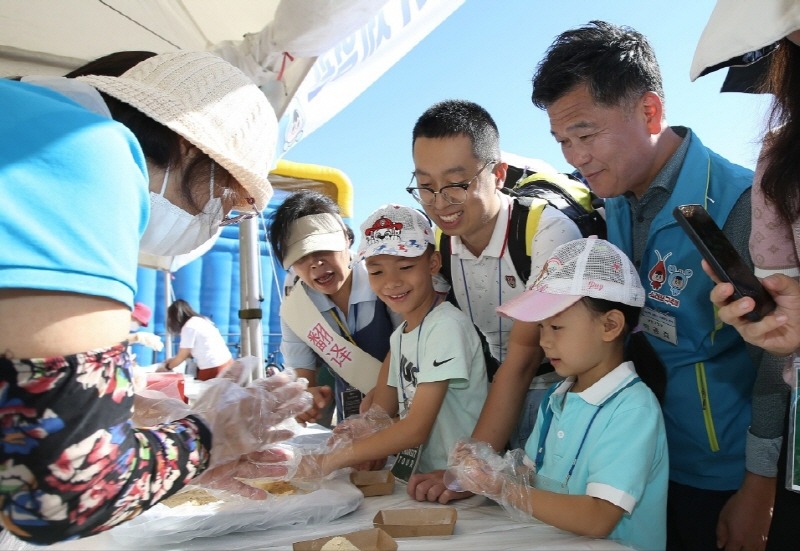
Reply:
x=483, y=283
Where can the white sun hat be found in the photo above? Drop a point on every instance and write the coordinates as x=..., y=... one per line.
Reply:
x=589, y=267
x=212, y=104
x=314, y=233
x=737, y=27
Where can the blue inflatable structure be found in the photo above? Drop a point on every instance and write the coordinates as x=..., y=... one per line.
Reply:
x=210, y=283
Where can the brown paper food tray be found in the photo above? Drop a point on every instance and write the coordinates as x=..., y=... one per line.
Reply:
x=373, y=539
x=373, y=483
x=411, y=523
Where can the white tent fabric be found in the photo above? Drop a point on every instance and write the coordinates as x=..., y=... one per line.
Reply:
x=53, y=37
x=309, y=57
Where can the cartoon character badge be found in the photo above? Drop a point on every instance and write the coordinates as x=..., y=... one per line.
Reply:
x=658, y=273
x=383, y=229
x=678, y=279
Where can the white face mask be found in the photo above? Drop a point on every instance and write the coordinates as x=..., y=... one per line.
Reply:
x=172, y=231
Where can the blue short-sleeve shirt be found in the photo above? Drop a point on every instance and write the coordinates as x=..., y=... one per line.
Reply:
x=624, y=456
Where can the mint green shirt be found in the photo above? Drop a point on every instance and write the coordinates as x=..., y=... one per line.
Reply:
x=445, y=347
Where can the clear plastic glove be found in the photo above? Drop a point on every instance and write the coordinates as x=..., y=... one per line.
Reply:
x=357, y=427
x=151, y=407
x=243, y=419
x=310, y=466
x=150, y=340
x=475, y=467
x=271, y=463
x=242, y=371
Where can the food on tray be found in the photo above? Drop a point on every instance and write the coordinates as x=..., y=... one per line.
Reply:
x=192, y=496
x=272, y=486
x=338, y=544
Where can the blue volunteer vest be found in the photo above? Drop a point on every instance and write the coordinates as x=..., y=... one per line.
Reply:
x=710, y=375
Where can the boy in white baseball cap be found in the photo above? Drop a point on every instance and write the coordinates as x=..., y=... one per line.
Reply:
x=598, y=448
x=436, y=380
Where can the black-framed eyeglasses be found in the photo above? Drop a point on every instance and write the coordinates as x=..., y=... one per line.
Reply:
x=235, y=219
x=455, y=194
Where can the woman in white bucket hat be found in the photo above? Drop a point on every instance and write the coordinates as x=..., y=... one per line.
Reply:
x=734, y=29
x=161, y=149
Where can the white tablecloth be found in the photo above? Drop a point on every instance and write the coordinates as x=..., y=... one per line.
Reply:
x=481, y=525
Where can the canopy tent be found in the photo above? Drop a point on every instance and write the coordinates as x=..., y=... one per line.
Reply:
x=309, y=57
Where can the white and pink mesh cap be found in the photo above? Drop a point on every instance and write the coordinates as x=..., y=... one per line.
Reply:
x=589, y=267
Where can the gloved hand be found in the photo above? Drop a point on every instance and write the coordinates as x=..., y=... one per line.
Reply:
x=243, y=419
x=271, y=463
x=475, y=467
x=150, y=340
x=241, y=371
x=357, y=427
x=152, y=407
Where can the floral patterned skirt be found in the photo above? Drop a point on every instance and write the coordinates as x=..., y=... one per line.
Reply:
x=71, y=463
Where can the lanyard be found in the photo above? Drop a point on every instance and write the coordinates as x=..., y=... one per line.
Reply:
x=499, y=286
x=547, y=420
x=345, y=332
x=400, y=352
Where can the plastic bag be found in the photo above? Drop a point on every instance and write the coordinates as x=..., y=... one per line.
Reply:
x=163, y=526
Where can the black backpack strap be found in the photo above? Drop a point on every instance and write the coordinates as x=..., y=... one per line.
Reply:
x=517, y=247
x=443, y=246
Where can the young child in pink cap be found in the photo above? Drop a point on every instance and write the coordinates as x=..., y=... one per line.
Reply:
x=596, y=463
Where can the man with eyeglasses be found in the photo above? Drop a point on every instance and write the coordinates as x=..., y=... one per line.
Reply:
x=457, y=177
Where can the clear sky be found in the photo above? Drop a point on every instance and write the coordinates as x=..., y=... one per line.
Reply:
x=487, y=52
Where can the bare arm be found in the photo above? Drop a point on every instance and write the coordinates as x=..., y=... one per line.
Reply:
x=409, y=432
x=383, y=375
x=500, y=412
x=182, y=355
x=583, y=515
x=507, y=392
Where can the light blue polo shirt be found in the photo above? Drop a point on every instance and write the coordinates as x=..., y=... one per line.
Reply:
x=624, y=455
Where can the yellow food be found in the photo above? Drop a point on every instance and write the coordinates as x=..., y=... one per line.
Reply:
x=192, y=496
x=274, y=487
x=338, y=544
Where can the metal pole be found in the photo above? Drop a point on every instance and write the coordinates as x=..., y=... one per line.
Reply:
x=169, y=352
x=251, y=294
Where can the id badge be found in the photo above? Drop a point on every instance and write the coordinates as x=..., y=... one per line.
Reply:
x=659, y=325
x=792, y=446
x=406, y=463
x=351, y=401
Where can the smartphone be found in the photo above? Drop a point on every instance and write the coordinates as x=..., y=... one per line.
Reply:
x=723, y=258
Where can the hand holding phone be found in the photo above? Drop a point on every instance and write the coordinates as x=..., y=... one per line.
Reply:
x=723, y=258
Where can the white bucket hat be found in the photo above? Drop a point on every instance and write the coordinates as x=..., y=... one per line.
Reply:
x=737, y=27
x=589, y=267
x=212, y=104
